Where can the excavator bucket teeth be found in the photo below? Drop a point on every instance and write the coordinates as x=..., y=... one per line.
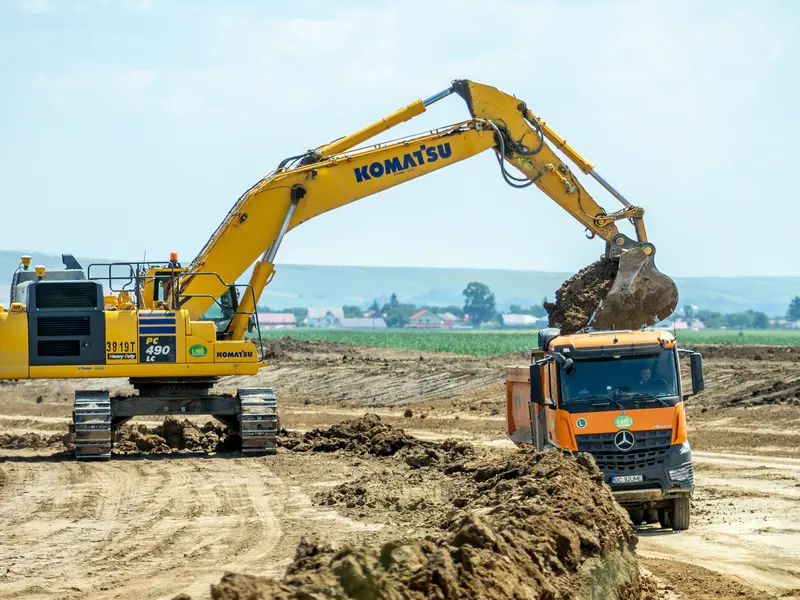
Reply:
x=640, y=295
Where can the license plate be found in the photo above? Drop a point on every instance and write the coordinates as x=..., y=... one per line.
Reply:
x=627, y=479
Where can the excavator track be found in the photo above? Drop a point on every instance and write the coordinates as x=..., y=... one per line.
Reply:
x=258, y=420
x=91, y=425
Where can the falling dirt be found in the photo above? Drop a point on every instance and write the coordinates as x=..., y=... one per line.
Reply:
x=627, y=293
x=532, y=526
x=579, y=296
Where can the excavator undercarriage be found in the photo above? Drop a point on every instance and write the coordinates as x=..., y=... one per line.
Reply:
x=251, y=415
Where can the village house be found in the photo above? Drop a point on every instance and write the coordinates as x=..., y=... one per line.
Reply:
x=514, y=321
x=363, y=323
x=694, y=324
x=425, y=319
x=276, y=320
x=324, y=316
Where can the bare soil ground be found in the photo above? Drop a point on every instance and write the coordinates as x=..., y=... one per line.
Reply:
x=153, y=526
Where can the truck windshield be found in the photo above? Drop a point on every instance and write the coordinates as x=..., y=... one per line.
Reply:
x=622, y=381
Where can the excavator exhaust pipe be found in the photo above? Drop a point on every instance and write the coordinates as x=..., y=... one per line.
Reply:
x=623, y=290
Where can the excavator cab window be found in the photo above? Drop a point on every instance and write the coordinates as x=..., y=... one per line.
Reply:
x=162, y=280
x=223, y=311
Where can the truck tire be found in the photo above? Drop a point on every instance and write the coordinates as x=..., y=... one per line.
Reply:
x=636, y=515
x=681, y=512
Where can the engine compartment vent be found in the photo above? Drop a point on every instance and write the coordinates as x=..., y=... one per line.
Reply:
x=67, y=294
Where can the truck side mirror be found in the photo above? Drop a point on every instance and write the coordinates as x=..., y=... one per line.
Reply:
x=698, y=382
x=536, y=385
x=569, y=367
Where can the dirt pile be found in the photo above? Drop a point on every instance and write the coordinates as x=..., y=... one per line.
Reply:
x=579, y=296
x=368, y=435
x=172, y=435
x=288, y=347
x=534, y=526
x=371, y=436
x=747, y=352
x=32, y=441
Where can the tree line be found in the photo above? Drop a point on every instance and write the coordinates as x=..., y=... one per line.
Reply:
x=479, y=304
x=481, y=307
x=748, y=319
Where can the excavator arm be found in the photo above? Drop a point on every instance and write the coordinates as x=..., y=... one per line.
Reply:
x=331, y=176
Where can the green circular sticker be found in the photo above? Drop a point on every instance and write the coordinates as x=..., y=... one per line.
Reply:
x=623, y=422
x=198, y=350
x=581, y=423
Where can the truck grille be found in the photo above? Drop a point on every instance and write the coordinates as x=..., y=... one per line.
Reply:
x=649, y=450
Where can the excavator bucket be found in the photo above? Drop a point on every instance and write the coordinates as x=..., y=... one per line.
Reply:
x=625, y=292
x=640, y=295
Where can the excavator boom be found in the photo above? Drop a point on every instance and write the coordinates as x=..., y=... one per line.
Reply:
x=339, y=173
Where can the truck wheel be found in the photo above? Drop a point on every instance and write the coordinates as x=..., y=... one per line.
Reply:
x=652, y=516
x=636, y=515
x=681, y=513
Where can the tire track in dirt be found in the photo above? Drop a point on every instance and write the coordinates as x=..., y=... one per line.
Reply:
x=745, y=523
x=140, y=535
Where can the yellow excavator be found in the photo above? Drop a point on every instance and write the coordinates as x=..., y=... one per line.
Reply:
x=174, y=330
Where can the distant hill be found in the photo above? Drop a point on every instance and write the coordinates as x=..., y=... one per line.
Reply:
x=303, y=285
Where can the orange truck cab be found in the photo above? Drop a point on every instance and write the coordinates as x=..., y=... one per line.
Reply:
x=619, y=396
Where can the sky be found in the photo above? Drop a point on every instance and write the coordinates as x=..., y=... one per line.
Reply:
x=132, y=126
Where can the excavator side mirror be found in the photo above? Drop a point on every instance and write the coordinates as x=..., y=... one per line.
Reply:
x=696, y=364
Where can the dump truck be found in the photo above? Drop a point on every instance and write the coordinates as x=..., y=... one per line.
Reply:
x=619, y=396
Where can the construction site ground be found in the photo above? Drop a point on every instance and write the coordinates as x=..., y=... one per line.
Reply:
x=150, y=525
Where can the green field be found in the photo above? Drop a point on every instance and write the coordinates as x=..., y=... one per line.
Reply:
x=487, y=343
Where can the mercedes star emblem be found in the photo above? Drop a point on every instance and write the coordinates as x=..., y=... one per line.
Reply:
x=624, y=440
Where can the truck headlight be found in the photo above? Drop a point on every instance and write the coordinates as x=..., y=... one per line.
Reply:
x=680, y=473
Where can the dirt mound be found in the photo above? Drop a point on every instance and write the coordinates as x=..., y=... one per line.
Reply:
x=367, y=435
x=778, y=392
x=32, y=441
x=534, y=526
x=287, y=346
x=580, y=295
x=747, y=351
x=371, y=436
x=171, y=436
